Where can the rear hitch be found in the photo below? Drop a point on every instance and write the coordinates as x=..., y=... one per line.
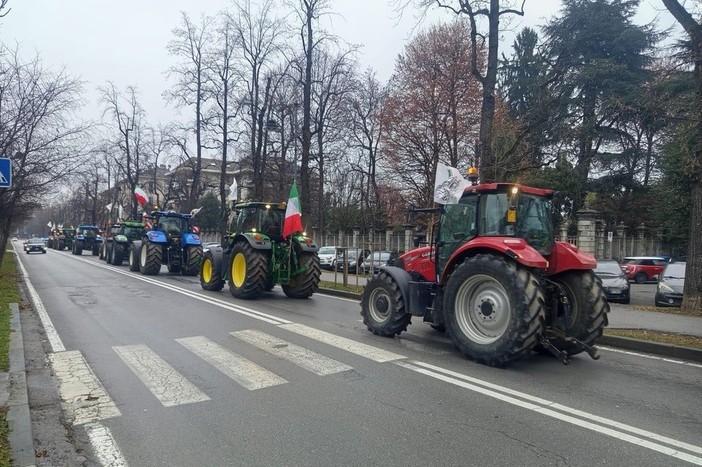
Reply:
x=559, y=354
x=551, y=332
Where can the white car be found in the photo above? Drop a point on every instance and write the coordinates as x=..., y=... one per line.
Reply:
x=327, y=257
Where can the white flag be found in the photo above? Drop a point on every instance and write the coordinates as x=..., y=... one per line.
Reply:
x=232, y=191
x=50, y=225
x=195, y=211
x=119, y=208
x=109, y=207
x=449, y=184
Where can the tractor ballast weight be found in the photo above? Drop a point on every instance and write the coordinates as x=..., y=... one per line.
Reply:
x=119, y=239
x=169, y=241
x=87, y=237
x=255, y=257
x=494, y=279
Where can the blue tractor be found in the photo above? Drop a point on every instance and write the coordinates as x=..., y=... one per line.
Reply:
x=169, y=241
x=87, y=237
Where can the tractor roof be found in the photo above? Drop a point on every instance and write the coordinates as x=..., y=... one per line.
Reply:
x=92, y=227
x=503, y=187
x=181, y=215
x=260, y=204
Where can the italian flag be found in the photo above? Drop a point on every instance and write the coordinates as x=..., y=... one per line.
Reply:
x=140, y=195
x=293, y=217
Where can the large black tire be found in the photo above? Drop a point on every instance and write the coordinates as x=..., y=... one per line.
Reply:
x=77, y=248
x=117, y=256
x=96, y=250
x=494, y=310
x=150, y=259
x=102, y=251
x=193, y=258
x=210, y=276
x=304, y=285
x=61, y=245
x=248, y=271
x=382, y=306
x=583, y=312
x=134, y=255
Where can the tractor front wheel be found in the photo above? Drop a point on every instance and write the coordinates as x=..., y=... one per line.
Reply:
x=193, y=258
x=210, y=277
x=382, y=306
x=248, y=271
x=134, y=255
x=305, y=284
x=582, y=311
x=494, y=310
x=117, y=255
x=77, y=248
x=150, y=259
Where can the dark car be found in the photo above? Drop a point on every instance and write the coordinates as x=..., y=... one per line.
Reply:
x=670, y=286
x=614, y=282
x=377, y=259
x=35, y=244
x=643, y=268
x=354, y=257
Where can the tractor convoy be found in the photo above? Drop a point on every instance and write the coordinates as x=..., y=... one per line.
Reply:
x=491, y=276
x=254, y=257
x=494, y=279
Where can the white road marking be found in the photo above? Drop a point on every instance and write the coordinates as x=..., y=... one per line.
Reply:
x=652, y=357
x=238, y=368
x=165, y=382
x=364, y=350
x=549, y=408
x=84, y=398
x=307, y=359
x=105, y=446
x=197, y=296
x=51, y=334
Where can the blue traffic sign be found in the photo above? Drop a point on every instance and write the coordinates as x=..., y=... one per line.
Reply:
x=5, y=173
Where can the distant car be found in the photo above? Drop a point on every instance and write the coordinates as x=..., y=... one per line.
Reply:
x=670, y=286
x=354, y=257
x=327, y=257
x=35, y=244
x=614, y=282
x=643, y=268
x=372, y=263
x=14, y=239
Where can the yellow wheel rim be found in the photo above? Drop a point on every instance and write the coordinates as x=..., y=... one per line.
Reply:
x=206, y=270
x=239, y=269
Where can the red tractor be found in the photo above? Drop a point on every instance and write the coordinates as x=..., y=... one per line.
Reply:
x=494, y=279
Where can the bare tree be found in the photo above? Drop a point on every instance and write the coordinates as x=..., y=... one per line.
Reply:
x=37, y=133
x=190, y=44
x=692, y=299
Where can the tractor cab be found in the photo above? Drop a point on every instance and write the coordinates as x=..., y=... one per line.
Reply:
x=257, y=217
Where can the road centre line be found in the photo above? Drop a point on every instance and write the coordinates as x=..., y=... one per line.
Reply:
x=652, y=357
x=549, y=409
x=198, y=296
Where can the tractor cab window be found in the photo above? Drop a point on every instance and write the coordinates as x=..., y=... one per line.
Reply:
x=272, y=222
x=534, y=222
x=172, y=225
x=493, y=215
x=132, y=232
x=458, y=225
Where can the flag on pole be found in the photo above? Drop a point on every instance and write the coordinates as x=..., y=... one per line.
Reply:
x=293, y=214
x=195, y=211
x=50, y=225
x=449, y=184
x=232, y=191
x=140, y=195
x=119, y=209
x=109, y=207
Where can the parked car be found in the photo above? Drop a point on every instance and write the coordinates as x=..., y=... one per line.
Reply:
x=327, y=257
x=35, y=244
x=372, y=263
x=614, y=282
x=670, y=286
x=354, y=257
x=643, y=268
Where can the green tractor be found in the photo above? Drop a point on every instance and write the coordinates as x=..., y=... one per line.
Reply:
x=120, y=237
x=63, y=238
x=255, y=256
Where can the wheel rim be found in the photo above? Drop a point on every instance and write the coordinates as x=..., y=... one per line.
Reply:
x=239, y=269
x=207, y=270
x=482, y=309
x=379, y=305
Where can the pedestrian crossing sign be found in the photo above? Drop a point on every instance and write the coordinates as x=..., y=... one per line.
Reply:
x=5, y=173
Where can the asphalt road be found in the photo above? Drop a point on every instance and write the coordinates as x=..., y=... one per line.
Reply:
x=157, y=371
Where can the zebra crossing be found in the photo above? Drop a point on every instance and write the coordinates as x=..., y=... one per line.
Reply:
x=86, y=401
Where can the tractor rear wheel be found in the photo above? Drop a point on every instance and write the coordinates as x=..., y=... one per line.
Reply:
x=382, y=306
x=494, y=310
x=210, y=277
x=193, y=258
x=305, y=284
x=77, y=248
x=248, y=271
x=150, y=259
x=582, y=312
x=117, y=256
x=60, y=245
x=134, y=255
x=96, y=250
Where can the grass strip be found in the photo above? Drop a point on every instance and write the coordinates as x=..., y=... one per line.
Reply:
x=693, y=342
x=9, y=293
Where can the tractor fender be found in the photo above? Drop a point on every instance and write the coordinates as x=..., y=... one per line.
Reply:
x=308, y=247
x=120, y=239
x=218, y=261
x=156, y=236
x=401, y=278
x=566, y=257
x=256, y=240
x=99, y=239
x=516, y=249
x=79, y=237
x=189, y=239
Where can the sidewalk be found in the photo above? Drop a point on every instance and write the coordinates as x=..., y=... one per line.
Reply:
x=623, y=316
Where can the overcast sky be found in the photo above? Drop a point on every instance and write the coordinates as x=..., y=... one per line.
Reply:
x=125, y=40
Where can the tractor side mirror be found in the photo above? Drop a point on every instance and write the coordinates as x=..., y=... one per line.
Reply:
x=418, y=239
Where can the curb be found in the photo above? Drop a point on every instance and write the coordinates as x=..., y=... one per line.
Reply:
x=638, y=345
x=21, y=437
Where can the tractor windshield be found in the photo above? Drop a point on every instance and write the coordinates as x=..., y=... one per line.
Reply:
x=259, y=218
x=173, y=225
x=133, y=232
